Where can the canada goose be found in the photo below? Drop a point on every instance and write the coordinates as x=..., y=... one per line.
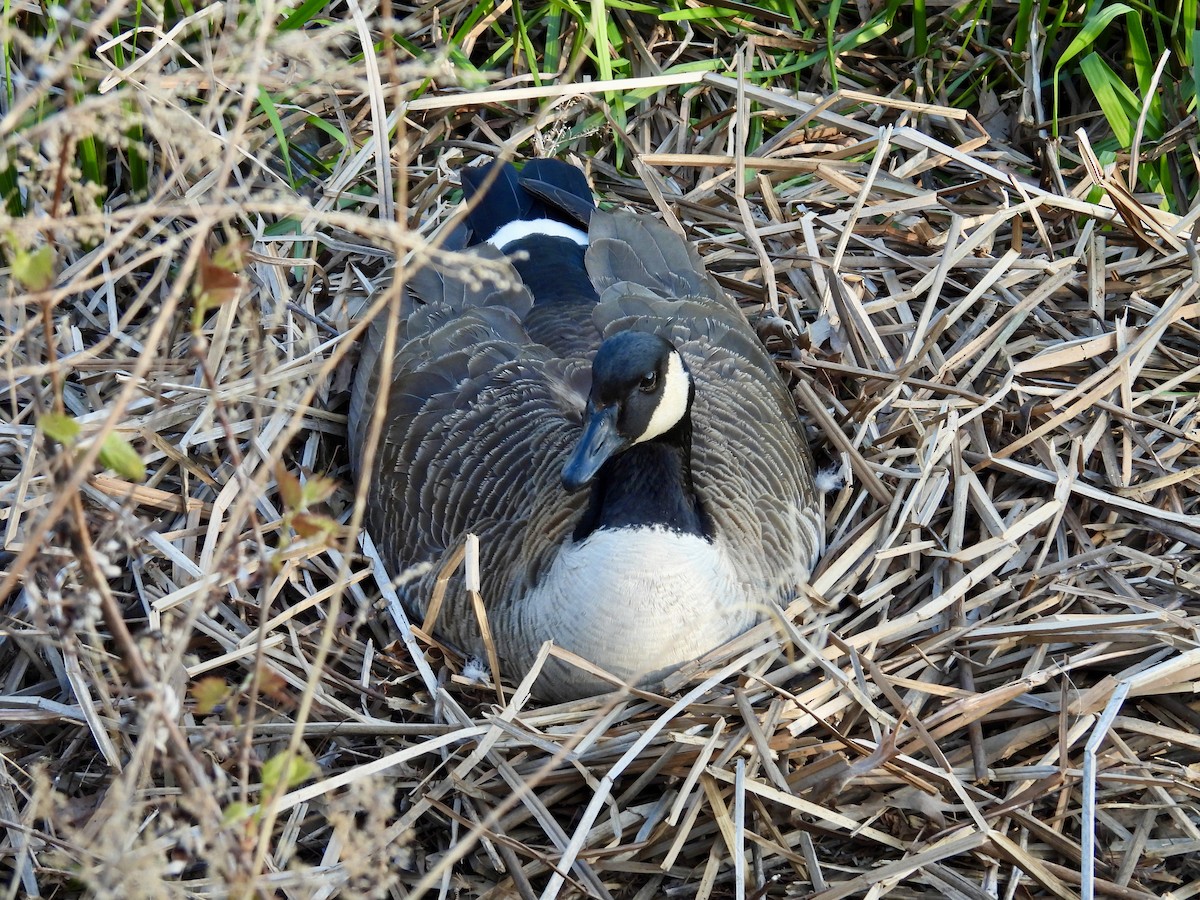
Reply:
x=607, y=423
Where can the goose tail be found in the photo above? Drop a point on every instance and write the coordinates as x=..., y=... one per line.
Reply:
x=545, y=189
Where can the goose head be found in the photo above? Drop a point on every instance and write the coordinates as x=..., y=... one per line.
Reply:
x=641, y=390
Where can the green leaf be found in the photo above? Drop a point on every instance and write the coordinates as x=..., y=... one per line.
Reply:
x=217, y=281
x=60, y=428
x=231, y=257
x=209, y=693
x=286, y=769
x=310, y=525
x=236, y=813
x=118, y=454
x=317, y=489
x=34, y=269
x=290, y=490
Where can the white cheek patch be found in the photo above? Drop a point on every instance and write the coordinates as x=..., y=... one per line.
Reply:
x=523, y=228
x=672, y=401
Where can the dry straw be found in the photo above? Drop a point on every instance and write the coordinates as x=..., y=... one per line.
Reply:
x=988, y=690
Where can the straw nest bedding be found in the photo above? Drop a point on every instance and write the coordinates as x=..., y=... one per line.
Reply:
x=987, y=690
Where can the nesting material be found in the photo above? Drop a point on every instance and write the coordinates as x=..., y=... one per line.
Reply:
x=988, y=689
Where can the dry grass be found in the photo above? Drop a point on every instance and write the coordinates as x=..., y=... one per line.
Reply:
x=988, y=690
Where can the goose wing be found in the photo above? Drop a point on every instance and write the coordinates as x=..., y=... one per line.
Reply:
x=478, y=420
x=750, y=461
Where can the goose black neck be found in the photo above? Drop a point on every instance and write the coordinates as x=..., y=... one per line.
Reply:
x=648, y=485
x=552, y=268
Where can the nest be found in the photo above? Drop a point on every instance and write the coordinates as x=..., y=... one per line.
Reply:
x=988, y=688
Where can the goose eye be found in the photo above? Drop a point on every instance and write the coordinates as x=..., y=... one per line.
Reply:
x=649, y=382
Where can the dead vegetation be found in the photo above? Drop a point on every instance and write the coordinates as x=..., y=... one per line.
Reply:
x=988, y=690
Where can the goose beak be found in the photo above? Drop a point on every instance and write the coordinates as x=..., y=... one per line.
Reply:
x=599, y=443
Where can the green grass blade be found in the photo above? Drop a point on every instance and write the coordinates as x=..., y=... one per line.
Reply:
x=523, y=40
x=598, y=28
x=91, y=159
x=830, y=44
x=503, y=53
x=1189, y=13
x=1021, y=35
x=10, y=191
x=700, y=13
x=302, y=15
x=1139, y=52
x=268, y=107
x=1056, y=26
x=920, y=29
x=877, y=26
x=1092, y=28
x=1173, y=201
x=135, y=159
x=469, y=23
x=336, y=134
x=1194, y=43
x=631, y=99
x=554, y=29
x=643, y=8
x=1118, y=103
